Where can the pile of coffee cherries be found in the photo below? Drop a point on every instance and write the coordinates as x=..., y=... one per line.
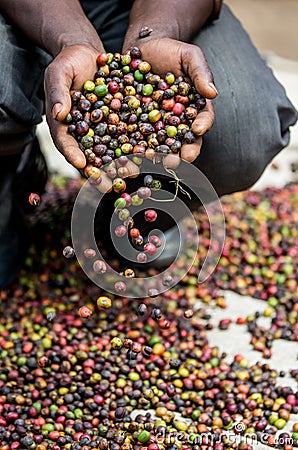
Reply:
x=127, y=109
x=82, y=369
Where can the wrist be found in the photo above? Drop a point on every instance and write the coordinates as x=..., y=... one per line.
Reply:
x=175, y=19
x=96, y=47
x=65, y=41
x=155, y=31
x=52, y=25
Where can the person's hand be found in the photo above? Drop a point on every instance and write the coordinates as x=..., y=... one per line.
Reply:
x=168, y=55
x=68, y=72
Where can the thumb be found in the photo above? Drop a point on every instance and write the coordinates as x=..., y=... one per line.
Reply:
x=197, y=69
x=57, y=84
x=66, y=144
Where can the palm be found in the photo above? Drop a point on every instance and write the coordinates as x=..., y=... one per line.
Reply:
x=167, y=55
x=163, y=56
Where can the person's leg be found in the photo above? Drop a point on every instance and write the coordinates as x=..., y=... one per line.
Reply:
x=22, y=166
x=110, y=19
x=21, y=79
x=253, y=114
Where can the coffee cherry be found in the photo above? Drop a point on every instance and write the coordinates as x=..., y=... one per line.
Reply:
x=150, y=249
x=34, y=199
x=150, y=215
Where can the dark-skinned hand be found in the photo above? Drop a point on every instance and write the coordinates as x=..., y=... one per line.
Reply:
x=187, y=60
x=67, y=73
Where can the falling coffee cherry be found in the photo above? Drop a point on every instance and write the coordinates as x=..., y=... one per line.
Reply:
x=141, y=309
x=89, y=253
x=155, y=240
x=120, y=231
x=142, y=257
x=120, y=286
x=68, y=252
x=150, y=215
x=34, y=199
x=85, y=312
x=150, y=249
x=129, y=273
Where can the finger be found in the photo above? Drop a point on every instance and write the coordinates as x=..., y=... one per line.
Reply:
x=171, y=161
x=57, y=85
x=196, y=67
x=134, y=170
x=204, y=119
x=66, y=144
x=189, y=152
x=105, y=184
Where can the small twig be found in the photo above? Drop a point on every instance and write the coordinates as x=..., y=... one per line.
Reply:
x=177, y=182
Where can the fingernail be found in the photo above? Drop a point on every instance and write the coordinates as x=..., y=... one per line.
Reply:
x=56, y=110
x=213, y=87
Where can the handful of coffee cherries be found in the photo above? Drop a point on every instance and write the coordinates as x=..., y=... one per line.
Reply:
x=127, y=109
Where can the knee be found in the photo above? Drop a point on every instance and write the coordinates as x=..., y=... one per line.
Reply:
x=234, y=167
x=247, y=170
x=238, y=174
x=257, y=148
x=242, y=143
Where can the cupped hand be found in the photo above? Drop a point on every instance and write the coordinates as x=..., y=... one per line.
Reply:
x=187, y=60
x=67, y=73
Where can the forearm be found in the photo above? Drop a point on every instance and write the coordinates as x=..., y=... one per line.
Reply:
x=175, y=19
x=52, y=24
